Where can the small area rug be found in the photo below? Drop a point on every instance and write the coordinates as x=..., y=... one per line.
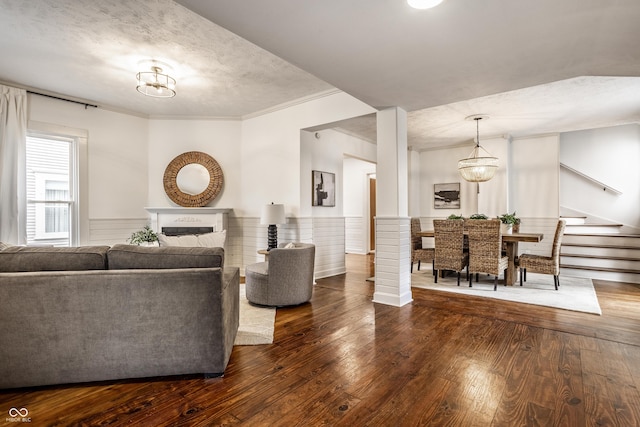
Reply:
x=574, y=293
x=256, y=323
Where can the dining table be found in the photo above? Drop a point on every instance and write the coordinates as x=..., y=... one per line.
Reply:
x=510, y=241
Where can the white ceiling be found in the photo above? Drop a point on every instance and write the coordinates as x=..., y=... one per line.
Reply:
x=91, y=50
x=525, y=64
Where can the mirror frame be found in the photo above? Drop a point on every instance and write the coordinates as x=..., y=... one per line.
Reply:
x=216, y=179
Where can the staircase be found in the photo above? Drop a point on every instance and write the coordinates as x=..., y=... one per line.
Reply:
x=600, y=251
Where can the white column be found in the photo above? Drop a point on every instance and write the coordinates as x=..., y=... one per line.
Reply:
x=393, y=238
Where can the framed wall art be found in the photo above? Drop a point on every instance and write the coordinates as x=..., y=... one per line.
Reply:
x=323, y=191
x=446, y=196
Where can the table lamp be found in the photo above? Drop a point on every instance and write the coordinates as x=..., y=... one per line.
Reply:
x=272, y=215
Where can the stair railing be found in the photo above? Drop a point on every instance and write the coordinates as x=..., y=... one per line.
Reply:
x=602, y=185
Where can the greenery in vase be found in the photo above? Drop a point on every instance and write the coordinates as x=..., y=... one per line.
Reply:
x=454, y=216
x=146, y=235
x=508, y=218
x=478, y=216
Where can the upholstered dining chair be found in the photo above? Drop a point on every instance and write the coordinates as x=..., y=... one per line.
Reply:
x=449, y=247
x=543, y=264
x=418, y=253
x=485, y=249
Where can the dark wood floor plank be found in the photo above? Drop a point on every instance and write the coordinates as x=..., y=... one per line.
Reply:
x=569, y=393
x=515, y=400
x=444, y=359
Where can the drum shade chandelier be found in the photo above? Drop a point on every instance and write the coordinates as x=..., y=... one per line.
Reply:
x=156, y=84
x=478, y=168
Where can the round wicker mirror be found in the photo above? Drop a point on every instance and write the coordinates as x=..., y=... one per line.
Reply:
x=182, y=197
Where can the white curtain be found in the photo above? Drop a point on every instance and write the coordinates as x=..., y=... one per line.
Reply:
x=13, y=136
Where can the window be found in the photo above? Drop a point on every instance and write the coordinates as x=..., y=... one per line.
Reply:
x=52, y=207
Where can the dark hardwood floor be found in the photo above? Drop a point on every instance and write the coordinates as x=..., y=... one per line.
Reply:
x=444, y=359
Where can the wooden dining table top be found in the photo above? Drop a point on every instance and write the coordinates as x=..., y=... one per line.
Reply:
x=513, y=237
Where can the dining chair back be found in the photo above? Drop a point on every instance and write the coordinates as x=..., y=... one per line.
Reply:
x=449, y=247
x=418, y=253
x=485, y=249
x=543, y=264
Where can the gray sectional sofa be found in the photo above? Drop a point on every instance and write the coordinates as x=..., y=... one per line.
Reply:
x=95, y=313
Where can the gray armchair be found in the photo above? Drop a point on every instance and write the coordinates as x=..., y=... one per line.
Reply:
x=285, y=279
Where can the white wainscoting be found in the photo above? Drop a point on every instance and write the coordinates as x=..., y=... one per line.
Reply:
x=329, y=238
x=326, y=233
x=254, y=236
x=245, y=236
x=393, y=259
x=546, y=226
x=355, y=235
x=233, y=243
x=113, y=231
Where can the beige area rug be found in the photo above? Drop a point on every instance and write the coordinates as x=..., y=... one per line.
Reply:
x=256, y=323
x=574, y=293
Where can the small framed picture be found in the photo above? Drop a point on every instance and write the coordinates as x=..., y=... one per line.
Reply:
x=324, y=188
x=446, y=196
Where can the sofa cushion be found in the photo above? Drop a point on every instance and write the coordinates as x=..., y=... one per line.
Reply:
x=27, y=258
x=4, y=246
x=207, y=240
x=122, y=257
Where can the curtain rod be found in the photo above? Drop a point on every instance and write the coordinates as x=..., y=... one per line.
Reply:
x=63, y=99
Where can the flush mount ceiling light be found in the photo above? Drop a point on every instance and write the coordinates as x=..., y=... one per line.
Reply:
x=478, y=168
x=155, y=83
x=424, y=4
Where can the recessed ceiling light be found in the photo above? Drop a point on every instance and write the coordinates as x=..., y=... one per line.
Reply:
x=424, y=4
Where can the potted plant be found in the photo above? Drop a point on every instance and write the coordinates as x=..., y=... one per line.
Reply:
x=144, y=237
x=509, y=222
x=478, y=216
x=454, y=216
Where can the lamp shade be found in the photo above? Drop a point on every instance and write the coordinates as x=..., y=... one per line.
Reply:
x=272, y=214
x=477, y=168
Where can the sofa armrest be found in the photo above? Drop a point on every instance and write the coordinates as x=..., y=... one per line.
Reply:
x=230, y=308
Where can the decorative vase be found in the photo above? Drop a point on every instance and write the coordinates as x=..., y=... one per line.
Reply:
x=507, y=228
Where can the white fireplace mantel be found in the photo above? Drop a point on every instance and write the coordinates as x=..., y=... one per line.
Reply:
x=188, y=217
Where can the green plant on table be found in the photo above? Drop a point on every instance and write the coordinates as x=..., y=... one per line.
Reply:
x=146, y=235
x=510, y=219
x=454, y=216
x=478, y=216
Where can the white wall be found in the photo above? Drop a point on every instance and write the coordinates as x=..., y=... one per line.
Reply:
x=526, y=182
x=326, y=151
x=441, y=167
x=221, y=139
x=611, y=156
x=117, y=154
x=271, y=152
x=356, y=204
x=277, y=159
x=115, y=184
x=415, y=193
x=535, y=177
x=493, y=198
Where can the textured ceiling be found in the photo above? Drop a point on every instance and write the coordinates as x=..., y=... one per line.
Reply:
x=568, y=105
x=522, y=63
x=93, y=49
x=389, y=54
